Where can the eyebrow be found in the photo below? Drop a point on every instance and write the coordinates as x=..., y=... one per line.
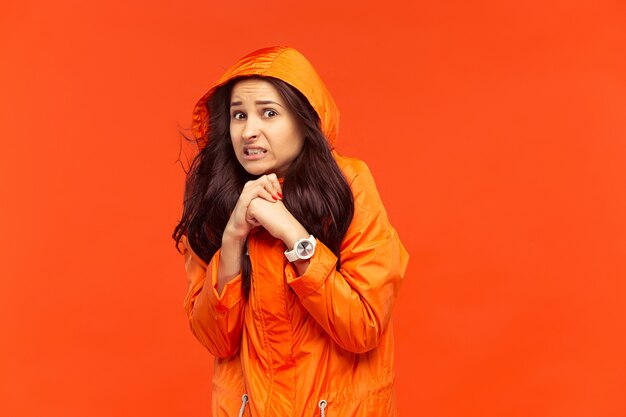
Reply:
x=261, y=102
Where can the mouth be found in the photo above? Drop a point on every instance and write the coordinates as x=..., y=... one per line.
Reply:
x=254, y=151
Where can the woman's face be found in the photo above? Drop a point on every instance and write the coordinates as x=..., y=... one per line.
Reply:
x=264, y=132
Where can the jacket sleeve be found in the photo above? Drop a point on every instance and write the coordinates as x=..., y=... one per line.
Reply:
x=216, y=319
x=354, y=304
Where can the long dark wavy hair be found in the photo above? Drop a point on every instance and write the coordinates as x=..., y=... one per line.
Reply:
x=315, y=190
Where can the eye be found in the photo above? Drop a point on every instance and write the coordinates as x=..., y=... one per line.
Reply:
x=269, y=113
x=239, y=115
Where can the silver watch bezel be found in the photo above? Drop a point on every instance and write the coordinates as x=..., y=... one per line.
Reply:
x=293, y=254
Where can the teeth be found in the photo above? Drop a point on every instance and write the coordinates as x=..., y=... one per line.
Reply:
x=255, y=151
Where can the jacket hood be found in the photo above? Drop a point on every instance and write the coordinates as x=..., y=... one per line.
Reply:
x=283, y=63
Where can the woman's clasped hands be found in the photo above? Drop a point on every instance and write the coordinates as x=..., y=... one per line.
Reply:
x=260, y=204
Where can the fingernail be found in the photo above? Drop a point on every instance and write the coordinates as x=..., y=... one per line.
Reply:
x=275, y=199
x=280, y=195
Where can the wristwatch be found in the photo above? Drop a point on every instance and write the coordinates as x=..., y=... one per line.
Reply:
x=303, y=249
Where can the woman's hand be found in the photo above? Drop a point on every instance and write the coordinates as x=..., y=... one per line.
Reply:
x=277, y=220
x=266, y=188
x=280, y=223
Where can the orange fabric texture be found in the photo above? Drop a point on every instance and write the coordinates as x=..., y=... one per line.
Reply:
x=297, y=340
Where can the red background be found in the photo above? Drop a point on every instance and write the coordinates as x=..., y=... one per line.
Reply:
x=496, y=134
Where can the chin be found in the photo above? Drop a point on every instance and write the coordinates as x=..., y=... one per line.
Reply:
x=256, y=170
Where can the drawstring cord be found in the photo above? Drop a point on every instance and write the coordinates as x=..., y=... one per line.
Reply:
x=322, y=405
x=244, y=401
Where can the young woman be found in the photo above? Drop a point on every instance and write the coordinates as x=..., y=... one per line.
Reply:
x=292, y=264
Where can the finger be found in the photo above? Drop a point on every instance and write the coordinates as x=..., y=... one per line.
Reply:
x=254, y=189
x=252, y=221
x=266, y=195
x=274, y=186
x=266, y=190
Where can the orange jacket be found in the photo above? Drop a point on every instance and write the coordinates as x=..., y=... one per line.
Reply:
x=311, y=344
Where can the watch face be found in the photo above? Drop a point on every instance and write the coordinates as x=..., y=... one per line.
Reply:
x=305, y=249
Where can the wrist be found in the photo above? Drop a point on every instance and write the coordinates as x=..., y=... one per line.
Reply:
x=292, y=232
x=291, y=236
x=233, y=238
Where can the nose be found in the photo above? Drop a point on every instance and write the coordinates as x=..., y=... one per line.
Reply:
x=250, y=130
